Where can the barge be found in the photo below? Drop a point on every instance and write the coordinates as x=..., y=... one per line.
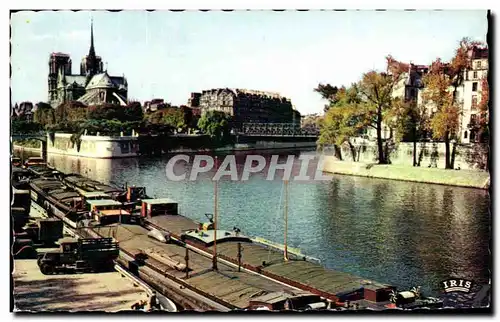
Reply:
x=233, y=249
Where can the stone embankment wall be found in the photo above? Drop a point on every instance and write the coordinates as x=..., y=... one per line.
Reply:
x=462, y=178
x=429, y=154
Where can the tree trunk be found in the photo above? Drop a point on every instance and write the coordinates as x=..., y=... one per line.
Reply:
x=447, y=151
x=414, y=146
x=353, y=151
x=453, y=151
x=380, y=144
x=338, y=152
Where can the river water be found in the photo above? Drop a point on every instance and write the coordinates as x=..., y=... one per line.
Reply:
x=401, y=233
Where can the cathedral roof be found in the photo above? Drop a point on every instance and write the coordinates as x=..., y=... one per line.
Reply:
x=101, y=81
x=78, y=79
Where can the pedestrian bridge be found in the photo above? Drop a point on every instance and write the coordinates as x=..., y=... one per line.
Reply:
x=275, y=130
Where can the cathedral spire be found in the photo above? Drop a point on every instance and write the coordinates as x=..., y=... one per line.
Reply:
x=92, y=50
x=92, y=64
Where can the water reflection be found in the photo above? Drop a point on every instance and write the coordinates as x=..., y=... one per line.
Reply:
x=401, y=233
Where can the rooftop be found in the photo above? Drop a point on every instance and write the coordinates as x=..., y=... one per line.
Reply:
x=101, y=202
x=159, y=201
x=207, y=236
x=92, y=194
x=113, y=212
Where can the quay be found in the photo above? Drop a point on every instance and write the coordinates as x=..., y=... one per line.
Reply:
x=33, y=291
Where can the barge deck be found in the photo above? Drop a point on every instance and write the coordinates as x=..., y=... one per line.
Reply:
x=264, y=268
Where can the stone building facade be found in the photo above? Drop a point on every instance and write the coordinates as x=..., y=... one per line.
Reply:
x=246, y=106
x=468, y=95
x=471, y=90
x=92, y=86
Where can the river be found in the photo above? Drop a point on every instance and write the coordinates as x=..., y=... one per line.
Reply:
x=402, y=233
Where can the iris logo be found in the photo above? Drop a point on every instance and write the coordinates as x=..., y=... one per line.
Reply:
x=457, y=285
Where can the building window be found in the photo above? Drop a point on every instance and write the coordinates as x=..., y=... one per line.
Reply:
x=473, y=119
x=474, y=102
x=474, y=75
x=474, y=87
x=465, y=134
x=478, y=64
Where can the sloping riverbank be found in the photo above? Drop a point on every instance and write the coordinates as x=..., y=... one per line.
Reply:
x=461, y=178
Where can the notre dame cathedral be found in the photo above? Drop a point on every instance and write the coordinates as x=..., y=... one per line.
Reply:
x=93, y=86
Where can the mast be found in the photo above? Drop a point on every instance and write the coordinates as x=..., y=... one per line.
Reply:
x=214, y=258
x=286, y=220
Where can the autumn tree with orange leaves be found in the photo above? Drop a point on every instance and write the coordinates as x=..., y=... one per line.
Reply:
x=483, y=115
x=442, y=83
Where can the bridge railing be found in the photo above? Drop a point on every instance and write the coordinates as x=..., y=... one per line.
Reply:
x=275, y=129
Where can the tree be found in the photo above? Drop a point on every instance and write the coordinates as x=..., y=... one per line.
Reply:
x=483, y=115
x=343, y=120
x=44, y=115
x=444, y=122
x=71, y=111
x=327, y=92
x=409, y=119
x=174, y=117
x=375, y=90
x=215, y=124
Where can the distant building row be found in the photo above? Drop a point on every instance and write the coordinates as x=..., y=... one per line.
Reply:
x=246, y=106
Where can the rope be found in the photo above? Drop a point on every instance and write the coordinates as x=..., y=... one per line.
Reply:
x=22, y=248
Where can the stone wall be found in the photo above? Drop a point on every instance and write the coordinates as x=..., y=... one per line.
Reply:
x=462, y=178
x=430, y=154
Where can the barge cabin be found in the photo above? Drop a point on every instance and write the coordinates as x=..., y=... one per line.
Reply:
x=108, y=211
x=157, y=207
x=283, y=301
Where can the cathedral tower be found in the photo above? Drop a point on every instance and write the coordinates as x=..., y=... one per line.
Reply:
x=91, y=64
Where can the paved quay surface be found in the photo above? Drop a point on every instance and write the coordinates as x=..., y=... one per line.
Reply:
x=108, y=292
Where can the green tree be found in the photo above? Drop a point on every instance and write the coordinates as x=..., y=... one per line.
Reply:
x=174, y=117
x=215, y=124
x=71, y=111
x=343, y=120
x=375, y=91
x=327, y=92
x=409, y=119
x=44, y=115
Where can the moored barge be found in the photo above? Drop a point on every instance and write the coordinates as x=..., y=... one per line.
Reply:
x=236, y=249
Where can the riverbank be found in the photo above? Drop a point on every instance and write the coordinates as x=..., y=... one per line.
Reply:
x=460, y=178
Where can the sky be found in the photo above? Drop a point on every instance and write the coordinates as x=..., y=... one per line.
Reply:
x=168, y=54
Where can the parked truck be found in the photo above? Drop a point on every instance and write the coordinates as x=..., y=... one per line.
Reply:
x=80, y=255
x=44, y=231
x=40, y=233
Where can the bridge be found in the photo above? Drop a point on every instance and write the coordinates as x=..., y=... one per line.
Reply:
x=40, y=136
x=276, y=130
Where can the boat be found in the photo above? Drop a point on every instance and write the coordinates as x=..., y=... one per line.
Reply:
x=16, y=162
x=128, y=196
x=284, y=301
x=58, y=200
x=32, y=161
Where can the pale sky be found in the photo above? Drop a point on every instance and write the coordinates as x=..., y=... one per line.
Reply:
x=168, y=55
